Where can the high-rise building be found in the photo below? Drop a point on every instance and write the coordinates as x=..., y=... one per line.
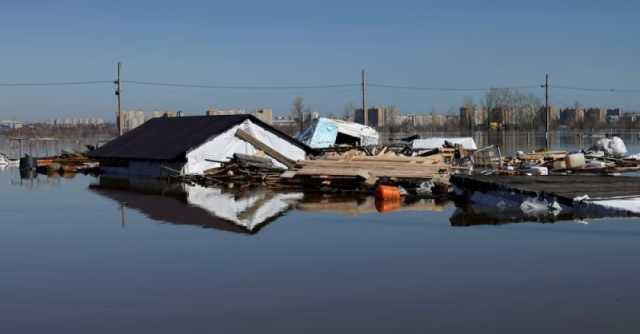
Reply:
x=379, y=117
x=157, y=114
x=129, y=120
x=572, y=116
x=263, y=114
x=613, y=115
x=473, y=117
x=595, y=115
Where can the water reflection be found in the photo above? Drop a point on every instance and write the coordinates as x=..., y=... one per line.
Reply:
x=354, y=205
x=237, y=210
x=247, y=211
x=181, y=204
x=473, y=215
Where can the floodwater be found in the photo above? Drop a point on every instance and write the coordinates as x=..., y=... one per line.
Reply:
x=88, y=255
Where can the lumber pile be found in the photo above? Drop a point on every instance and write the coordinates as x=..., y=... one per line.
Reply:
x=367, y=170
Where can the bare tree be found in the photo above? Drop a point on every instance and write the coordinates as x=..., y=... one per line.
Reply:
x=468, y=103
x=297, y=112
x=510, y=106
x=349, y=111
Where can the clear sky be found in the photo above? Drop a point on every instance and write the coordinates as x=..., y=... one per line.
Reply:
x=459, y=44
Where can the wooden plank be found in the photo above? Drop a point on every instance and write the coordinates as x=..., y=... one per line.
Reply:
x=264, y=147
x=375, y=172
x=429, y=168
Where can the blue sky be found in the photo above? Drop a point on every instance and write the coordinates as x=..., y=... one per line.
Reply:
x=415, y=43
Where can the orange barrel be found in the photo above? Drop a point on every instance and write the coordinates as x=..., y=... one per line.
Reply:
x=387, y=193
x=387, y=205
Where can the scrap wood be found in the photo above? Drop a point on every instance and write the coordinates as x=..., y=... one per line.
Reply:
x=264, y=147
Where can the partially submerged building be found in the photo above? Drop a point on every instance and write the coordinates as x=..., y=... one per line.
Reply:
x=192, y=145
x=325, y=133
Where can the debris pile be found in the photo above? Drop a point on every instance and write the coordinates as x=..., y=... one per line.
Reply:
x=357, y=170
x=607, y=156
x=243, y=170
x=66, y=163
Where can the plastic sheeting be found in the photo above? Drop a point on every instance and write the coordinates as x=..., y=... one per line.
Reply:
x=614, y=146
x=323, y=133
x=431, y=143
x=222, y=147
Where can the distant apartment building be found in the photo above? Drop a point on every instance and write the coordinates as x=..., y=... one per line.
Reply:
x=11, y=125
x=379, y=117
x=473, y=117
x=131, y=119
x=572, y=116
x=263, y=114
x=614, y=115
x=74, y=122
x=438, y=120
x=595, y=116
x=282, y=121
x=417, y=120
x=375, y=117
x=158, y=114
x=541, y=117
x=504, y=117
x=631, y=118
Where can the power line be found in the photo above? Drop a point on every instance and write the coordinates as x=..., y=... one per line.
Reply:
x=316, y=86
x=585, y=89
x=447, y=89
x=62, y=83
x=182, y=85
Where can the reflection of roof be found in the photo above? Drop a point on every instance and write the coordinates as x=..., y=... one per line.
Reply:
x=250, y=210
x=169, y=138
x=174, y=203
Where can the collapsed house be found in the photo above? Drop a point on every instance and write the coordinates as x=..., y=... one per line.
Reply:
x=325, y=133
x=192, y=145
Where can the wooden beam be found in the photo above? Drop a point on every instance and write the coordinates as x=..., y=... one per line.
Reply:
x=265, y=148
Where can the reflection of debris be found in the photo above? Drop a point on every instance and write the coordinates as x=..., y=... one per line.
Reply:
x=354, y=205
x=605, y=195
x=534, y=206
x=472, y=215
x=5, y=161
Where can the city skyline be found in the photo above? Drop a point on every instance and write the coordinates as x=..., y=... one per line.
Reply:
x=415, y=44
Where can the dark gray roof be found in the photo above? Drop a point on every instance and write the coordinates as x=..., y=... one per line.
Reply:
x=170, y=138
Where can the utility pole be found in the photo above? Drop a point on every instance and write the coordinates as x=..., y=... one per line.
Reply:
x=365, y=112
x=119, y=97
x=547, y=112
